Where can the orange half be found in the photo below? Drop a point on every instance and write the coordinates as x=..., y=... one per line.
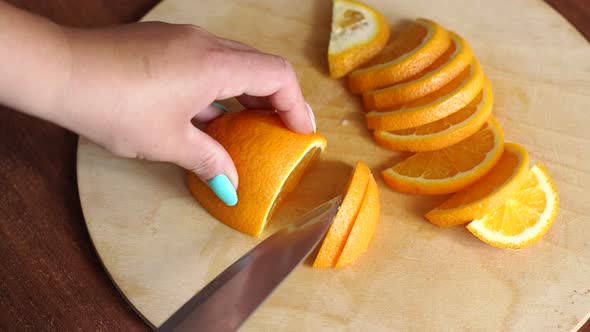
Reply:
x=270, y=160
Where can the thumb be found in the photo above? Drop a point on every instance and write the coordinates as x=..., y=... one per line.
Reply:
x=205, y=157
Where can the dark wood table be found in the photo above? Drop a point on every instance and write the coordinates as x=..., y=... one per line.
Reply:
x=50, y=277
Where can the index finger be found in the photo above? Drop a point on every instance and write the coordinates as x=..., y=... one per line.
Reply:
x=271, y=76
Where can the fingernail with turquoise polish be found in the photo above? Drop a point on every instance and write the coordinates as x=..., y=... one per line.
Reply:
x=224, y=189
x=221, y=107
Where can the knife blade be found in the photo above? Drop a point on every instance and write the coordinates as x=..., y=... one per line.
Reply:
x=227, y=301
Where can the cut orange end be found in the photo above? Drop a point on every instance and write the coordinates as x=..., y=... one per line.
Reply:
x=487, y=194
x=359, y=33
x=455, y=59
x=364, y=226
x=344, y=220
x=270, y=160
x=416, y=48
x=444, y=132
x=525, y=217
x=450, y=169
x=435, y=106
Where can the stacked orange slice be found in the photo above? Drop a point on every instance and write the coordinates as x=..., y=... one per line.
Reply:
x=355, y=222
x=449, y=169
x=427, y=93
x=416, y=48
x=443, y=132
x=448, y=66
x=440, y=103
x=488, y=193
x=524, y=217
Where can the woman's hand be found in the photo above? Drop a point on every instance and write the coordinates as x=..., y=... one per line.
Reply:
x=135, y=89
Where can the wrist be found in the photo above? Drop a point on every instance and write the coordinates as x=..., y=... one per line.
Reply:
x=55, y=76
x=35, y=61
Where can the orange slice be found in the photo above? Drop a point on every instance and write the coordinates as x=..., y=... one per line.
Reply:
x=364, y=226
x=450, y=169
x=525, y=217
x=270, y=160
x=455, y=59
x=344, y=220
x=449, y=99
x=444, y=132
x=359, y=33
x=487, y=194
x=416, y=48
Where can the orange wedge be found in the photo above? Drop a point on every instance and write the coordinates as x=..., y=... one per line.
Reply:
x=344, y=220
x=450, y=169
x=444, y=132
x=455, y=59
x=487, y=194
x=525, y=217
x=358, y=34
x=449, y=99
x=364, y=226
x=416, y=48
x=270, y=160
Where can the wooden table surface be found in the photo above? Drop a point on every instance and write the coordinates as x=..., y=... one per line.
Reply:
x=51, y=279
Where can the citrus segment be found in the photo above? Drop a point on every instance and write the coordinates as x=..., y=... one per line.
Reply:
x=444, y=132
x=358, y=34
x=364, y=226
x=450, y=169
x=416, y=48
x=488, y=193
x=270, y=160
x=450, y=98
x=343, y=221
x=453, y=61
x=525, y=217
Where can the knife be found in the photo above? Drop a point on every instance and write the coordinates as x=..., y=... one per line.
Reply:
x=227, y=301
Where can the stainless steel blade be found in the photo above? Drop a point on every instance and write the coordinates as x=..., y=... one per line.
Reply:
x=227, y=301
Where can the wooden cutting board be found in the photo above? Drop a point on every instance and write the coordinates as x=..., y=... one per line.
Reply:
x=160, y=247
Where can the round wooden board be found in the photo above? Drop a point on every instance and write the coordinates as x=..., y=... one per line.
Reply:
x=160, y=247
